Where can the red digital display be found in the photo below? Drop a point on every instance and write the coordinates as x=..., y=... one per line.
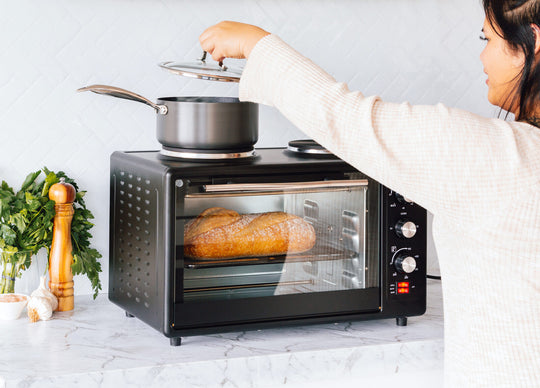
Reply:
x=403, y=290
x=403, y=284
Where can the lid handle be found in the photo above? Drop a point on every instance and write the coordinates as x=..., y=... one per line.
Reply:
x=203, y=60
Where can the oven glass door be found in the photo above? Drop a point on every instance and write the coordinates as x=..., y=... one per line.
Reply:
x=277, y=250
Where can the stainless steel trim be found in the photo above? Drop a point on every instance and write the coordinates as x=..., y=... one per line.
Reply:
x=278, y=187
x=197, y=155
x=253, y=189
x=221, y=288
x=232, y=275
x=209, y=76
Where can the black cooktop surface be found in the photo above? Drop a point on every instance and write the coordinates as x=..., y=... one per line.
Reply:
x=264, y=158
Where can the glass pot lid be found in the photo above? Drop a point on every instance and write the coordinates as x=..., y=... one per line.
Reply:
x=202, y=69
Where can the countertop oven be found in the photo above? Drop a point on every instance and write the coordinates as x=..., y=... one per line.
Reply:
x=368, y=259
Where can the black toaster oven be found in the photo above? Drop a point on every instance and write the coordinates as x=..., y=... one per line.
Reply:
x=368, y=259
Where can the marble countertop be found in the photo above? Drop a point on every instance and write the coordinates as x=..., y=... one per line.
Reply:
x=96, y=345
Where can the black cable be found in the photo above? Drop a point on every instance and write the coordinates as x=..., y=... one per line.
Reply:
x=433, y=277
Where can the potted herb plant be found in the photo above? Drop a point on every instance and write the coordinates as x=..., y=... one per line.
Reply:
x=26, y=226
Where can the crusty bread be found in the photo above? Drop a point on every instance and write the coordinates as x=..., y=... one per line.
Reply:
x=219, y=233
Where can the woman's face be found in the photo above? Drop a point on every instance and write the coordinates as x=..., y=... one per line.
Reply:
x=502, y=66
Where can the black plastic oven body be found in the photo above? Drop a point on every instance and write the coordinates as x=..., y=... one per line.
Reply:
x=149, y=277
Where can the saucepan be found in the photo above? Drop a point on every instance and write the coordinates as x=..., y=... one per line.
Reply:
x=198, y=123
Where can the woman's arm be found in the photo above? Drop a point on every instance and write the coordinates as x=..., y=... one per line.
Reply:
x=447, y=160
x=450, y=161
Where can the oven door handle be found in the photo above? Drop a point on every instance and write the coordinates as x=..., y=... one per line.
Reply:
x=333, y=185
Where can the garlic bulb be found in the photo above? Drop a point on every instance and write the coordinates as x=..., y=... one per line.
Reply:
x=44, y=292
x=39, y=307
x=41, y=303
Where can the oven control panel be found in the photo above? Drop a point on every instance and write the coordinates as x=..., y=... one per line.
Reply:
x=404, y=246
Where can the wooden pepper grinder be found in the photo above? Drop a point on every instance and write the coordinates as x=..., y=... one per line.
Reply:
x=61, y=258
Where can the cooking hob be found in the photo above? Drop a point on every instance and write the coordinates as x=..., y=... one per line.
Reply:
x=301, y=147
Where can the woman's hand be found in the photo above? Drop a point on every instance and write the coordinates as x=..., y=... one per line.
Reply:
x=231, y=40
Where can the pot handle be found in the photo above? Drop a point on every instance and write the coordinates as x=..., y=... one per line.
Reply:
x=125, y=94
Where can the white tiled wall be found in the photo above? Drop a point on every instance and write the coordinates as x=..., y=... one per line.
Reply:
x=423, y=51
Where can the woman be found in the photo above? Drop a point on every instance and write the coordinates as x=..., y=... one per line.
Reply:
x=480, y=178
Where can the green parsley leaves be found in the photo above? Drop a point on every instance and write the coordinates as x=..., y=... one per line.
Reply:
x=26, y=224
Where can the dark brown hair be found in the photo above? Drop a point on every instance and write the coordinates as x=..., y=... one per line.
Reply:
x=513, y=20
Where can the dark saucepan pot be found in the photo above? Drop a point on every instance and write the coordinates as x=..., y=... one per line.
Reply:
x=198, y=123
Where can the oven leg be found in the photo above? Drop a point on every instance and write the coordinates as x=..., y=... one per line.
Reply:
x=129, y=315
x=401, y=321
x=176, y=341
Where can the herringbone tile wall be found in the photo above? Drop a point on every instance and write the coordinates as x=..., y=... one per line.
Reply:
x=422, y=51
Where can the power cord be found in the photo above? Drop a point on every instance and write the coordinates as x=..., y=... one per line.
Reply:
x=433, y=277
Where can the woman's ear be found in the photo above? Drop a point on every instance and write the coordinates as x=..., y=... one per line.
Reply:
x=536, y=31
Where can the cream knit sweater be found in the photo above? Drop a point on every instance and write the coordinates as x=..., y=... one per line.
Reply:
x=479, y=177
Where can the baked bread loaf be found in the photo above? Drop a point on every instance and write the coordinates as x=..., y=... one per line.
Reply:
x=219, y=233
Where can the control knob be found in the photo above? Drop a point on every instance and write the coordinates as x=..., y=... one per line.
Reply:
x=402, y=199
x=405, y=264
x=405, y=228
